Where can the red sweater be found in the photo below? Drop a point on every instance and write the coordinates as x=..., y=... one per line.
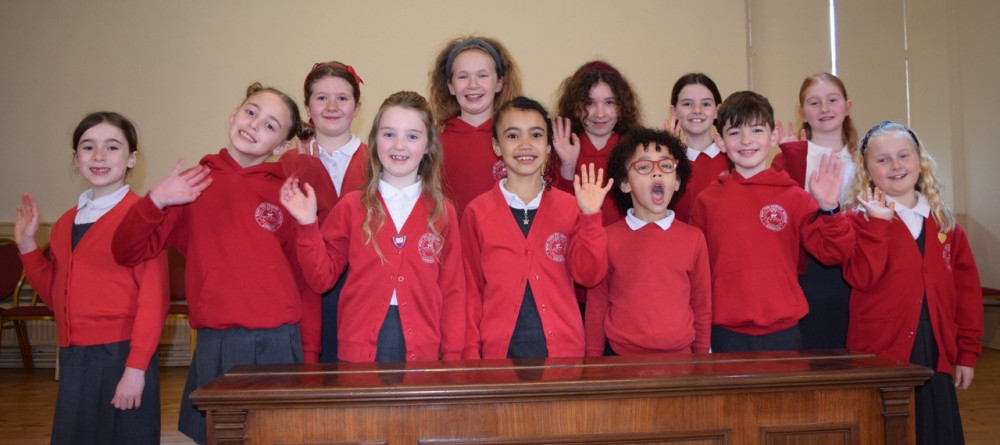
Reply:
x=354, y=177
x=890, y=279
x=704, y=171
x=562, y=246
x=429, y=287
x=239, y=244
x=657, y=296
x=792, y=159
x=754, y=228
x=470, y=166
x=590, y=154
x=96, y=301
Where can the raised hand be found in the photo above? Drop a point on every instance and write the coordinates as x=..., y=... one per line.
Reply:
x=567, y=146
x=587, y=186
x=299, y=201
x=826, y=181
x=181, y=187
x=128, y=393
x=26, y=225
x=673, y=126
x=784, y=138
x=876, y=205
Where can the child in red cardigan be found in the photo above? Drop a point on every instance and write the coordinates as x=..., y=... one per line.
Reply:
x=471, y=77
x=754, y=222
x=403, y=298
x=657, y=297
x=916, y=289
x=524, y=245
x=109, y=317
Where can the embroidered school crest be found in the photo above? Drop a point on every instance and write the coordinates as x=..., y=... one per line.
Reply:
x=499, y=171
x=555, y=247
x=428, y=246
x=774, y=217
x=946, y=253
x=269, y=216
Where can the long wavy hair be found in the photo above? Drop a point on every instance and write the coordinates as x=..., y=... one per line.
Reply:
x=574, y=93
x=429, y=170
x=927, y=184
x=444, y=104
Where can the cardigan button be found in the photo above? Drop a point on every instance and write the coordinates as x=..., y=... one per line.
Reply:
x=400, y=279
x=409, y=332
x=909, y=334
x=413, y=356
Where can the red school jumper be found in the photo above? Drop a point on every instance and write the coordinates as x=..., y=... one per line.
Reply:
x=890, y=278
x=657, y=297
x=562, y=246
x=354, y=176
x=704, y=172
x=239, y=245
x=590, y=154
x=471, y=167
x=429, y=285
x=754, y=227
x=96, y=301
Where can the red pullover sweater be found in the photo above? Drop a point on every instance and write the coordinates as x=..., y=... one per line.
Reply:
x=754, y=227
x=239, y=245
x=470, y=166
x=704, y=172
x=890, y=279
x=657, y=296
x=426, y=272
x=96, y=301
x=562, y=246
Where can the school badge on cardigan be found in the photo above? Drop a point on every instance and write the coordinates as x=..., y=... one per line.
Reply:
x=399, y=241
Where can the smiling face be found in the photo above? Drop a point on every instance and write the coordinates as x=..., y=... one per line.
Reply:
x=401, y=143
x=748, y=146
x=523, y=143
x=474, y=83
x=824, y=107
x=601, y=112
x=259, y=128
x=893, y=164
x=332, y=107
x=102, y=157
x=651, y=192
x=695, y=109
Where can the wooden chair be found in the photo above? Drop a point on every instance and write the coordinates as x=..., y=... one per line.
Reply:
x=12, y=272
x=178, y=297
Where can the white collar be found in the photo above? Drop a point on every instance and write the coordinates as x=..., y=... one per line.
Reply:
x=347, y=149
x=817, y=150
x=89, y=210
x=635, y=223
x=390, y=192
x=913, y=217
x=516, y=202
x=711, y=151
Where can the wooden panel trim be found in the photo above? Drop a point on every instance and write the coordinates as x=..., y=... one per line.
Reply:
x=718, y=436
x=896, y=411
x=227, y=426
x=779, y=434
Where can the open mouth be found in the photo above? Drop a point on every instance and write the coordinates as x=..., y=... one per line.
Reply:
x=399, y=158
x=525, y=159
x=100, y=170
x=657, y=194
x=898, y=176
x=747, y=152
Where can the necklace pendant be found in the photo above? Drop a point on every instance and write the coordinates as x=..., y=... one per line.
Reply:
x=524, y=221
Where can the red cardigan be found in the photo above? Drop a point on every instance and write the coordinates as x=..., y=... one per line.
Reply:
x=754, y=228
x=704, y=172
x=657, y=297
x=429, y=286
x=590, y=154
x=890, y=279
x=96, y=301
x=238, y=242
x=470, y=166
x=562, y=246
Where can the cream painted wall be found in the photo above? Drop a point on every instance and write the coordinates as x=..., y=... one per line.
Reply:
x=178, y=68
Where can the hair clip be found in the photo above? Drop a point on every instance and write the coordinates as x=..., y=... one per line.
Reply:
x=350, y=69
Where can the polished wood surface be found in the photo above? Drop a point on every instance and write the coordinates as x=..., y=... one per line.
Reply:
x=27, y=397
x=777, y=397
